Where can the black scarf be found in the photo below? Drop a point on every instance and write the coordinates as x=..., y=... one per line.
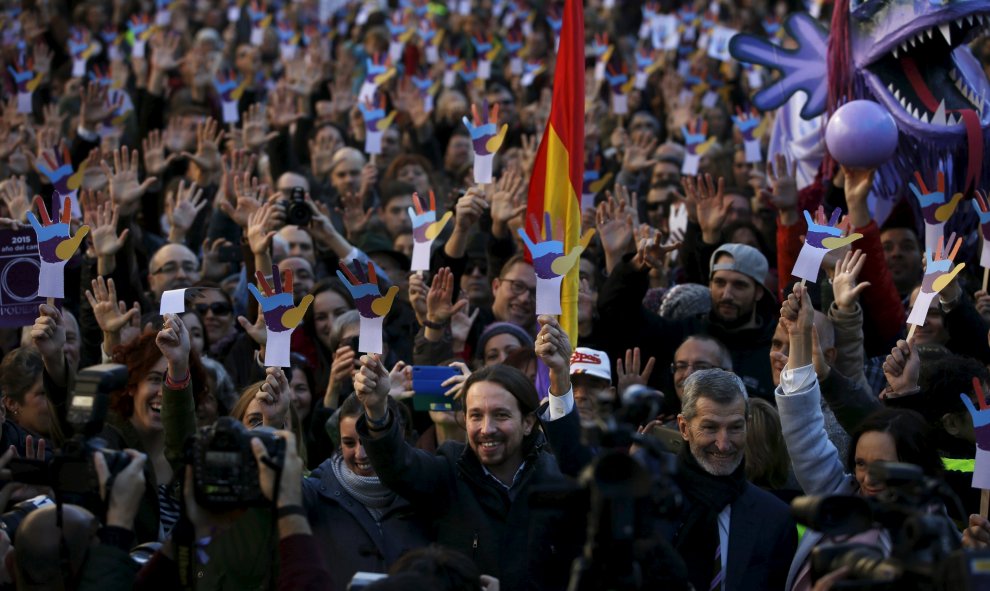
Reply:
x=706, y=496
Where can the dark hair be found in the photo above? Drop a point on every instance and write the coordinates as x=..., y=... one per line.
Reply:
x=392, y=172
x=446, y=569
x=521, y=358
x=510, y=378
x=911, y=434
x=19, y=371
x=393, y=190
x=140, y=355
x=767, y=462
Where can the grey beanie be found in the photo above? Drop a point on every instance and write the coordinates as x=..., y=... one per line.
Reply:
x=686, y=300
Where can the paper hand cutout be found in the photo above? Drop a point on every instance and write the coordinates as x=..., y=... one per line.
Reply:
x=378, y=71
x=371, y=305
x=80, y=49
x=820, y=239
x=426, y=228
x=697, y=142
x=55, y=245
x=531, y=69
x=982, y=209
x=938, y=273
x=647, y=62
x=281, y=317
x=513, y=44
x=594, y=182
x=550, y=262
x=934, y=208
x=620, y=85
x=140, y=32
x=27, y=81
x=803, y=69
x=230, y=88
x=487, y=138
x=59, y=171
x=751, y=127
x=427, y=89
x=375, y=124
x=981, y=425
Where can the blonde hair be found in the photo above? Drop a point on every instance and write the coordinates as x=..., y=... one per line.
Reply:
x=239, y=411
x=767, y=461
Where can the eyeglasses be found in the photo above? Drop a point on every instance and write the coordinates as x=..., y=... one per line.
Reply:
x=218, y=309
x=654, y=206
x=172, y=268
x=518, y=288
x=682, y=366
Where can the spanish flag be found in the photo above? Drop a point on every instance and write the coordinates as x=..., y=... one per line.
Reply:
x=558, y=174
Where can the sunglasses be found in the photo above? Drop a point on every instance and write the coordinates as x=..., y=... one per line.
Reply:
x=218, y=309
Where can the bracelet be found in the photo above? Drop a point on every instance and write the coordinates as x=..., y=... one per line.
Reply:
x=378, y=424
x=436, y=325
x=289, y=510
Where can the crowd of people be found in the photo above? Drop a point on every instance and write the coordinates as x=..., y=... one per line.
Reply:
x=206, y=143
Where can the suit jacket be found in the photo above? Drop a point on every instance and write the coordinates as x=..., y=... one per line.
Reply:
x=762, y=534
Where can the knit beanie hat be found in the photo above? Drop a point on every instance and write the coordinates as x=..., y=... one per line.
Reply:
x=686, y=300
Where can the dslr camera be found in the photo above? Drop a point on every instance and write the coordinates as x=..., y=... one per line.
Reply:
x=925, y=551
x=71, y=473
x=297, y=211
x=225, y=473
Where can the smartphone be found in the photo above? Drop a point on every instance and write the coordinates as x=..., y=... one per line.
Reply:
x=428, y=389
x=28, y=471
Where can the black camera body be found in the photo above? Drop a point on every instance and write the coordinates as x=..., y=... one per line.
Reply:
x=925, y=551
x=297, y=211
x=225, y=473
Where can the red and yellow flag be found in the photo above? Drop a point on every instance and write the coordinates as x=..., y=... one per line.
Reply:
x=558, y=174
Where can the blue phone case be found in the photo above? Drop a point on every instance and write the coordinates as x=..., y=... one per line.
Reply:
x=427, y=380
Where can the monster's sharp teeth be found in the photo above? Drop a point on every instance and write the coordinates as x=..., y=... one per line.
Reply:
x=913, y=41
x=939, y=117
x=953, y=75
x=930, y=32
x=904, y=47
x=953, y=120
x=904, y=103
x=897, y=94
x=890, y=87
x=924, y=118
x=914, y=113
x=969, y=19
x=944, y=28
x=896, y=49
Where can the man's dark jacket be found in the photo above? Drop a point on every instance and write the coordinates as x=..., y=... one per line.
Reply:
x=473, y=514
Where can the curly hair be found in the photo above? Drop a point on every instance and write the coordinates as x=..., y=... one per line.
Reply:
x=140, y=355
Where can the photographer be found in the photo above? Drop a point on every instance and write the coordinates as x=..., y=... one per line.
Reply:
x=91, y=556
x=887, y=435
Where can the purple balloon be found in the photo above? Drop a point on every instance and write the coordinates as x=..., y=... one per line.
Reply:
x=861, y=134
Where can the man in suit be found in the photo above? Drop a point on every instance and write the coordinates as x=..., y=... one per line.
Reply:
x=730, y=534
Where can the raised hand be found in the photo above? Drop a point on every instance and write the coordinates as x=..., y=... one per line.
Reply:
x=425, y=228
x=111, y=315
x=844, y=287
x=275, y=397
x=103, y=220
x=376, y=121
x=174, y=343
x=615, y=230
x=630, y=374
x=207, y=155
x=439, y=308
x=697, y=144
x=370, y=303
x=783, y=188
x=372, y=386
x=638, y=154
x=650, y=250
x=934, y=207
x=48, y=333
x=14, y=194
x=553, y=348
x=939, y=272
x=153, y=149
x=902, y=369
x=55, y=245
x=487, y=138
x=822, y=237
x=709, y=203
x=182, y=206
x=550, y=262
x=125, y=190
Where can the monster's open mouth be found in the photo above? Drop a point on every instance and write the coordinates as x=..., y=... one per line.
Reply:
x=921, y=74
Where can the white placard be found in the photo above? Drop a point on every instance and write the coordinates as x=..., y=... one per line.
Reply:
x=173, y=302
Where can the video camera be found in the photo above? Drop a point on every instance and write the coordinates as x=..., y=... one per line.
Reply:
x=925, y=552
x=629, y=503
x=225, y=472
x=71, y=473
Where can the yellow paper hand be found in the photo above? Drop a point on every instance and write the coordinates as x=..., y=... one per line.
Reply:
x=940, y=283
x=945, y=211
x=564, y=264
x=434, y=229
x=292, y=318
x=382, y=305
x=833, y=242
x=66, y=249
